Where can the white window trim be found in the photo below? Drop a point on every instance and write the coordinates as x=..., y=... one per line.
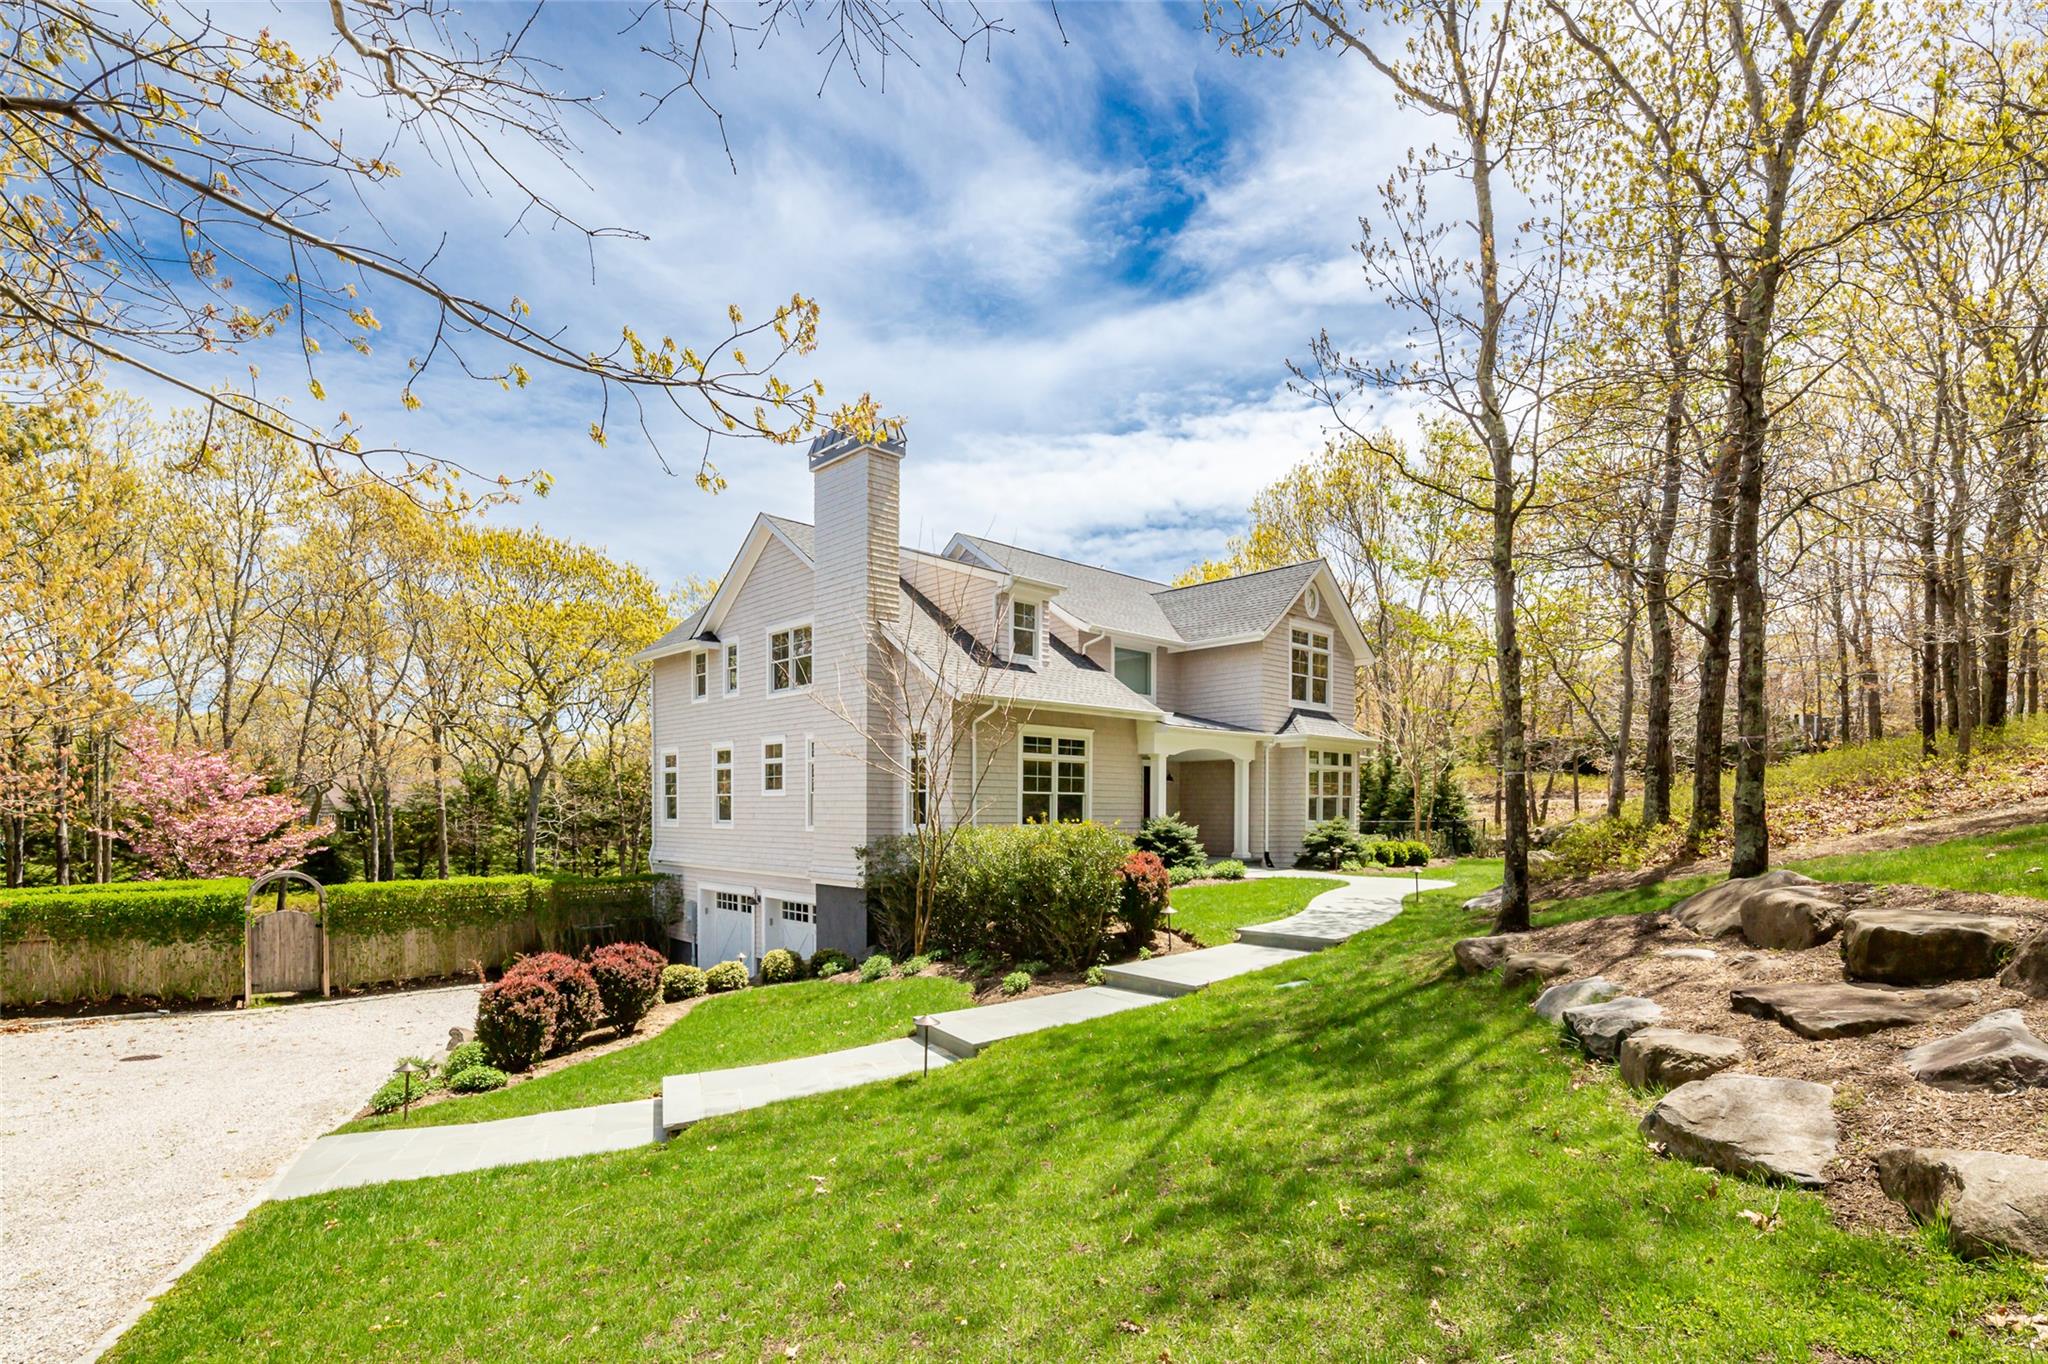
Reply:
x=1312, y=600
x=768, y=657
x=1329, y=651
x=701, y=660
x=1151, y=666
x=1037, y=632
x=732, y=669
x=662, y=771
x=733, y=788
x=809, y=907
x=810, y=783
x=766, y=740
x=910, y=785
x=1088, y=765
x=1308, y=819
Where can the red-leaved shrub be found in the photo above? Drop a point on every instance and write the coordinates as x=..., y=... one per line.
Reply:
x=515, y=1020
x=578, y=1008
x=1144, y=885
x=628, y=976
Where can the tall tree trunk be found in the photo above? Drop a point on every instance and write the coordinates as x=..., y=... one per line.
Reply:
x=61, y=791
x=1842, y=712
x=440, y=809
x=1716, y=629
x=1751, y=855
x=530, y=838
x=1617, y=773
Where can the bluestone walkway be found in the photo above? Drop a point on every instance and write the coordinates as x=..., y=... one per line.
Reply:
x=354, y=1158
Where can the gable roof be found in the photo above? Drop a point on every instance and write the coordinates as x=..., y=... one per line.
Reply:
x=1062, y=679
x=1102, y=598
x=1231, y=608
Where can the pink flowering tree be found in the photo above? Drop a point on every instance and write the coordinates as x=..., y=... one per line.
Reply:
x=195, y=812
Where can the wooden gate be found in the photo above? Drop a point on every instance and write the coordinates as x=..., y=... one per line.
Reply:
x=285, y=950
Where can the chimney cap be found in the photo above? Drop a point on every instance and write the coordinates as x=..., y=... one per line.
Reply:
x=833, y=444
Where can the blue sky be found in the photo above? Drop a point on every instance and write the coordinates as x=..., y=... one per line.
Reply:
x=1078, y=275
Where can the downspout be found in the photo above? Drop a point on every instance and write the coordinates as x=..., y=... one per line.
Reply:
x=1266, y=801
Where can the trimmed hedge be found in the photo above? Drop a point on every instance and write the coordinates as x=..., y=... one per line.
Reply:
x=174, y=912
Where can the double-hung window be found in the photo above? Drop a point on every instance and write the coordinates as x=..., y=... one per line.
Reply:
x=1054, y=778
x=1134, y=669
x=789, y=659
x=670, y=791
x=920, y=782
x=721, y=784
x=1024, y=630
x=1310, y=667
x=771, y=767
x=1332, y=785
x=732, y=669
x=700, y=679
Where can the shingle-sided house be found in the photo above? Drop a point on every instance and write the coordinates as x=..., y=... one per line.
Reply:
x=1074, y=692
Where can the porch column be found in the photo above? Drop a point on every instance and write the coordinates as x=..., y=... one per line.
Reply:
x=1241, y=808
x=1159, y=786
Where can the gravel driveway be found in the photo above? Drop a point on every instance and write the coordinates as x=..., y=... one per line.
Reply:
x=126, y=1144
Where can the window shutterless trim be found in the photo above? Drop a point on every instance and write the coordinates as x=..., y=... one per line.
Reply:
x=801, y=666
x=1057, y=759
x=727, y=796
x=781, y=762
x=668, y=786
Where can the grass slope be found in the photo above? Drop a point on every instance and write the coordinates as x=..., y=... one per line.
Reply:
x=2012, y=862
x=1391, y=1163
x=1212, y=914
x=741, y=1029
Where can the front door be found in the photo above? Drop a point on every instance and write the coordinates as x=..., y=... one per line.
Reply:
x=725, y=930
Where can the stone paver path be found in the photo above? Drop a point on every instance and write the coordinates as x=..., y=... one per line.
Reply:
x=128, y=1144
x=360, y=1158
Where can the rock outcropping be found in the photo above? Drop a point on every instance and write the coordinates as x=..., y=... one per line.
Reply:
x=1926, y=947
x=1830, y=1009
x=1718, y=909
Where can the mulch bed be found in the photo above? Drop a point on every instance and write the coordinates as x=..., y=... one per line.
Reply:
x=1877, y=1103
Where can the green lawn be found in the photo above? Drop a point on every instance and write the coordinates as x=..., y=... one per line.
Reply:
x=1393, y=1162
x=1212, y=914
x=2014, y=862
x=740, y=1029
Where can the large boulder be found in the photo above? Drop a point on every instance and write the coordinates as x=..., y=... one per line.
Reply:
x=1718, y=909
x=1475, y=955
x=1488, y=902
x=1601, y=1028
x=1660, y=1058
x=1520, y=968
x=1998, y=1051
x=1551, y=1004
x=1791, y=918
x=1821, y=1009
x=1996, y=1204
x=1749, y=1125
x=1926, y=946
x=2028, y=970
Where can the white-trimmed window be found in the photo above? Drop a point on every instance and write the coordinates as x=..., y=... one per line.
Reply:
x=1332, y=785
x=670, y=789
x=772, y=764
x=700, y=678
x=789, y=659
x=1024, y=630
x=810, y=782
x=1052, y=777
x=1133, y=668
x=732, y=669
x=1309, y=667
x=736, y=902
x=721, y=784
x=920, y=765
x=798, y=911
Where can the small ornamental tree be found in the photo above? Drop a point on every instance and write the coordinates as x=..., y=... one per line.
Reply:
x=194, y=812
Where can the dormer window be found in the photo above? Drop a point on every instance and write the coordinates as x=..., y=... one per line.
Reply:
x=1024, y=630
x=1310, y=668
x=1134, y=669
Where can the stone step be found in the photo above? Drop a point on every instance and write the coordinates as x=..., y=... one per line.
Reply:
x=687, y=1099
x=964, y=1033
x=1298, y=940
x=1183, y=973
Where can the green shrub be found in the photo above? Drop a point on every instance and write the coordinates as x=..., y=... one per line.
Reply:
x=980, y=962
x=1387, y=853
x=1170, y=840
x=1181, y=875
x=830, y=961
x=917, y=965
x=1359, y=868
x=461, y=1059
x=154, y=912
x=779, y=966
x=681, y=982
x=1418, y=854
x=1046, y=891
x=628, y=977
x=1144, y=954
x=1229, y=869
x=1330, y=844
x=1017, y=982
x=1095, y=975
x=876, y=968
x=1033, y=968
x=478, y=1078
x=727, y=975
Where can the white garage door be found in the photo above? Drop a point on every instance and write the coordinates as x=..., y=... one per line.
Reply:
x=793, y=924
x=725, y=931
